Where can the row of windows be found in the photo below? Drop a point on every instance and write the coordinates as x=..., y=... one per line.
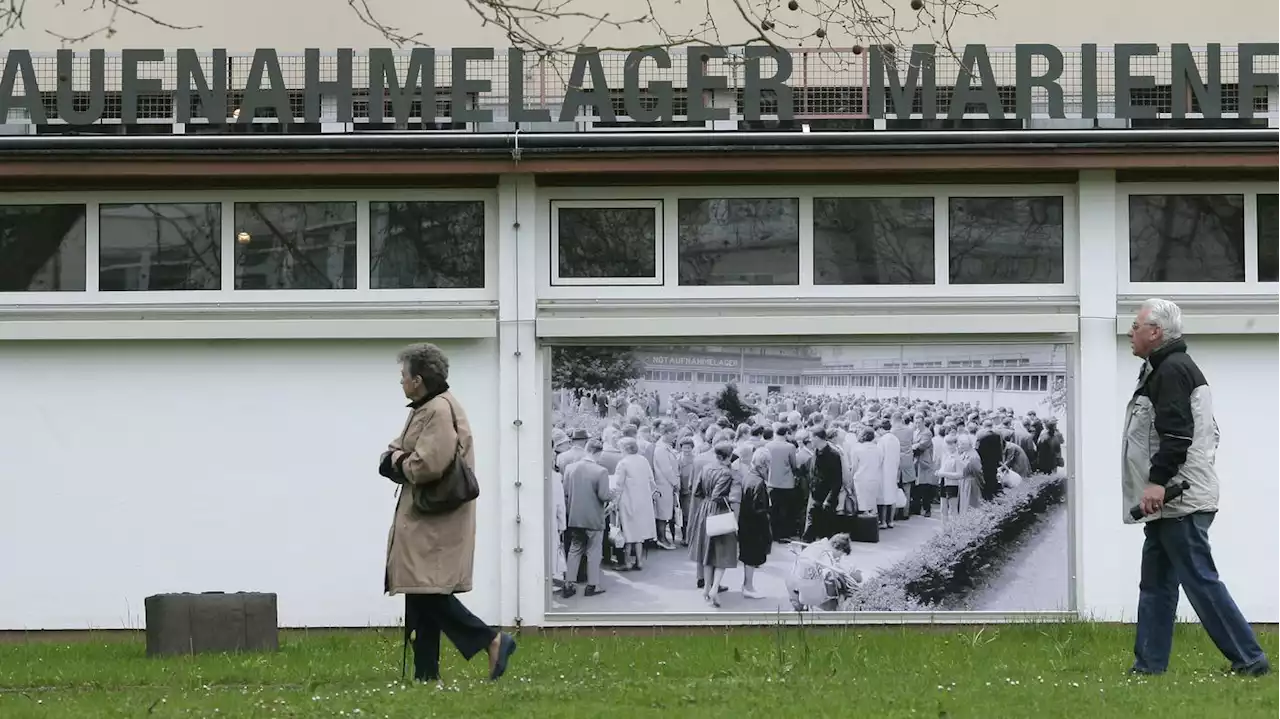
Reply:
x=277, y=246
x=894, y=240
x=857, y=380
x=718, y=377
x=662, y=375
x=1006, y=383
x=856, y=241
x=978, y=382
x=735, y=241
x=1023, y=382
x=780, y=379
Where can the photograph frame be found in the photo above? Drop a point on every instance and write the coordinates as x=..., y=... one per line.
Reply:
x=1069, y=423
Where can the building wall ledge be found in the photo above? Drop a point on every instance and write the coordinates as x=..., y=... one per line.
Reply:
x=1212, y=315
x=806, y=317
x=454, y=320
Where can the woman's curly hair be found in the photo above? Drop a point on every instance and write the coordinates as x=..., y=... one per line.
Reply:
x=427, y=361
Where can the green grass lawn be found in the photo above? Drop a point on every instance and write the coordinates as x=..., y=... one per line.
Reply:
x=1041, y=671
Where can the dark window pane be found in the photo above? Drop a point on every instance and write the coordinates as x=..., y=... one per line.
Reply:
x=160, y=247
x=607, y=242
x=295, y=245
x=873, y=241
x=1268, y=234
x=1006, y=240
x=740, y=242
x=42, y=248
x=1186, y=238
x=432, y=245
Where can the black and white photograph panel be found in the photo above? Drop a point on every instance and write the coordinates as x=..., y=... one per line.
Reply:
x=852, y=477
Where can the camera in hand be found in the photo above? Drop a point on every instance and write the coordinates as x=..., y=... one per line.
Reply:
x=1171, y=492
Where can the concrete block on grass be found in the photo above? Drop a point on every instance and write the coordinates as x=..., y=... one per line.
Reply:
x=211, y=622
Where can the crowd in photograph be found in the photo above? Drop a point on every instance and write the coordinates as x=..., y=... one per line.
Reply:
x=726, y=479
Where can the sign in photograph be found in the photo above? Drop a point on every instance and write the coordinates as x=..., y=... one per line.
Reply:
x=891, y=86
x=692, y=361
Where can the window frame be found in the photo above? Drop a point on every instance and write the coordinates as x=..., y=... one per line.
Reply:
x=90, y=248
x=658, y=207
x=670, y=196
x=1250, y=286
x=364, y=244
x=95, y=259
x=228, y=295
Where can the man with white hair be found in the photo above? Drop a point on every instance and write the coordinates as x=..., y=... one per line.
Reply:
x=1171, y=437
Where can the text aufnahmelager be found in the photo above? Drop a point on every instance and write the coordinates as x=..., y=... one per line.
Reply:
x=889, y=93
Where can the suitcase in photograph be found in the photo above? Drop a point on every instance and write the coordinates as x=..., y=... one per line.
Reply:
x=861, y=528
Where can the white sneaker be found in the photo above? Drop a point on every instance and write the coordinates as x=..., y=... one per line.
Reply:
x=750, y=594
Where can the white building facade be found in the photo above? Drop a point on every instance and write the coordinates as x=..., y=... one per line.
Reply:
x=198, y=328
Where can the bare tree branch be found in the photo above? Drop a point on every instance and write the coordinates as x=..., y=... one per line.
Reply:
x=553, y=30
x=550, y=27
x=13, y=13
x=541, y=25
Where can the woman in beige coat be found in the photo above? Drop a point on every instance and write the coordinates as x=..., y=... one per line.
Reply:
x=429, y=557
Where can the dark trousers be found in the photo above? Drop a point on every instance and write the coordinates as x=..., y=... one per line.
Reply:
x=1176, y=552
x=991, y=487
x=782, y=513
x=922, y=498
x=819, y=524
x=426, y=616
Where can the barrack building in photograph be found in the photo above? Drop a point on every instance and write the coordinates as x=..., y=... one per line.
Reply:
x=991, y=379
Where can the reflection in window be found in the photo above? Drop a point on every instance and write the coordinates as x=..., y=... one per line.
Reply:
x=160, y=246
x=740, y=242
x=42, y=248
x=295, y=245
x=873, y=241
x=1186, y=238
x=1006, y=240
x=1268, y=239
x=432, y=245
x=607, y=242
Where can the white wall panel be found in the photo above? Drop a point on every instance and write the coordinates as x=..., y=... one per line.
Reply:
x=128, y=469
x=1243, y=372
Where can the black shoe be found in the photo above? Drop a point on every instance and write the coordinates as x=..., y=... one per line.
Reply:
x=1259, y=668
x=1143, y=672
x=506, y=647
x=568, y=591
x=592, y=591
x=702, y=583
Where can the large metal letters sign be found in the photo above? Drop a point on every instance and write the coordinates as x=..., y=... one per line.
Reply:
x=891, y=84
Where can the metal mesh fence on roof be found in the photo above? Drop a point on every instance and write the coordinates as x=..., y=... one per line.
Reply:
x=827, y=83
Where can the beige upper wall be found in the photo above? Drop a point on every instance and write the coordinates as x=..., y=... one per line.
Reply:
x=292, y=25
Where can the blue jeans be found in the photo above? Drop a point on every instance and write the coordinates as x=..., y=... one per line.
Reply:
x=1176, y=551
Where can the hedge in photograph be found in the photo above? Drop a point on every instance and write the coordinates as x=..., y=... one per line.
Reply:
x=949, y=565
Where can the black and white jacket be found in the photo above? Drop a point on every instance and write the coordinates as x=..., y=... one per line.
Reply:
x=1170, y=434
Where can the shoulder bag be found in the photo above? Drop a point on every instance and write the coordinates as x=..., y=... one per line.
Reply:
x=723, y=523
x=456, y=487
